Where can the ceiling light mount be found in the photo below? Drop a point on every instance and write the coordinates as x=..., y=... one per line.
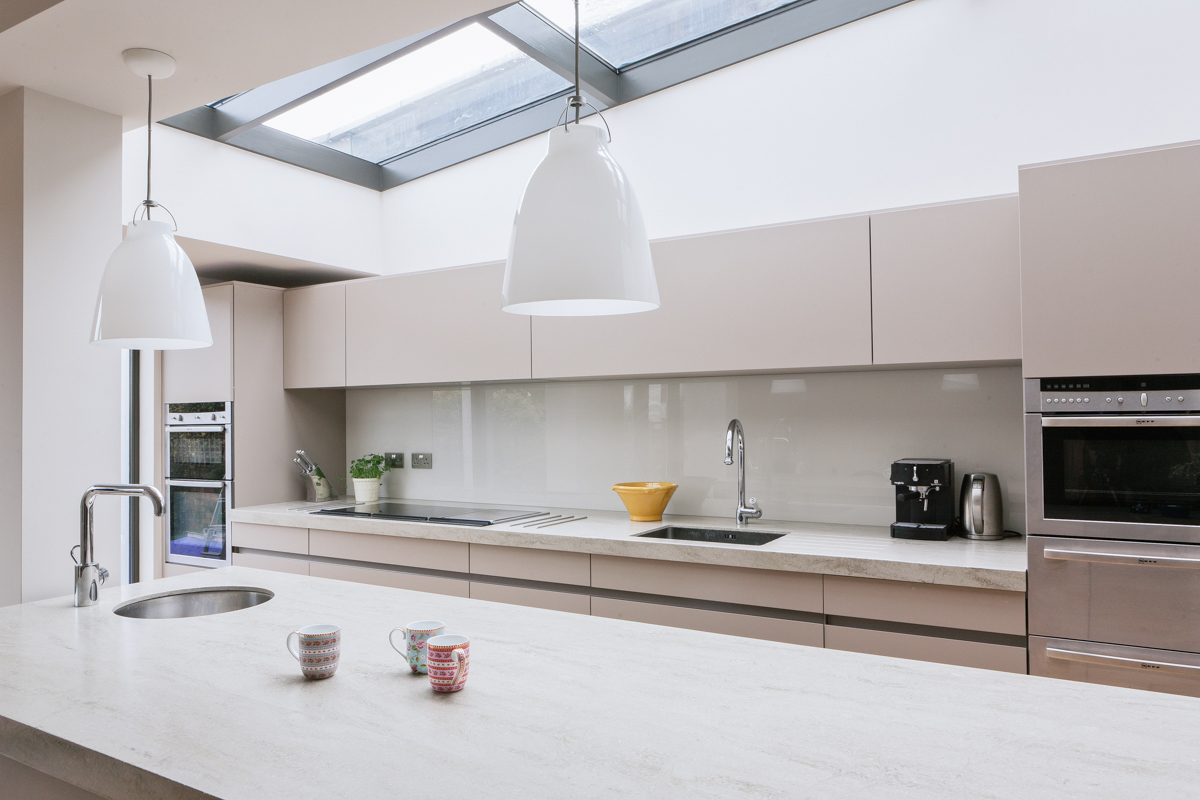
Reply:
x=147, y=63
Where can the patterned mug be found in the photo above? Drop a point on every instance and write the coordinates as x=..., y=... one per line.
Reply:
x=416, y=634
x=449, y=662
x=318, y=649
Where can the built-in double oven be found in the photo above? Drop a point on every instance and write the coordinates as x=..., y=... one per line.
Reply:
x=1113, y=494
x=199, y=470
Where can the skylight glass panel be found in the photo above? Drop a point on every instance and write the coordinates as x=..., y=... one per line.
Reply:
x=623, y=32
x=451, y=84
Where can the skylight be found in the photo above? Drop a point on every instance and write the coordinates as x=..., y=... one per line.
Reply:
x=623, y=32
x=447, y=86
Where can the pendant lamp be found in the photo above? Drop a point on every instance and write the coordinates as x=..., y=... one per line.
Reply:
x=579, y=245
x=150, y=297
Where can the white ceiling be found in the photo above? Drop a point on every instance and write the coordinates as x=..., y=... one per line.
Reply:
x=73, y=49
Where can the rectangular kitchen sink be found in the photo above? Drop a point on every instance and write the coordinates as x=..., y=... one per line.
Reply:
x=708, y=535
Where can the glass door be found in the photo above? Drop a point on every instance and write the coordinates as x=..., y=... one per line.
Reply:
x=196, y=523
x=199, y=453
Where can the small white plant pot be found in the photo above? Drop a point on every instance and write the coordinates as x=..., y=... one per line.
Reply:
x=366, y=490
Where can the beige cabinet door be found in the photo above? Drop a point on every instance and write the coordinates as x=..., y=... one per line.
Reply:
x=433, y=327
x=204, y=375
x=1109, y=255
x=314, y=337
x=946, y=283
x=788, y=297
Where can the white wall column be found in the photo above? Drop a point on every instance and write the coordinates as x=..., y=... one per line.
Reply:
x=60, y=397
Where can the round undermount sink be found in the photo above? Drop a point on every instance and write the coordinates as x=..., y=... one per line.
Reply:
x=198, y=602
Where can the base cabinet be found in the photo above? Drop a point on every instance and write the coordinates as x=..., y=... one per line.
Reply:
x=397, y=580
x=296, y=566
x=960, y=653
x=532, y=598
x=702, y=619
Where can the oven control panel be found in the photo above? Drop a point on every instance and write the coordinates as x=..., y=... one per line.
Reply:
x=199, y=413
x=1119, y=395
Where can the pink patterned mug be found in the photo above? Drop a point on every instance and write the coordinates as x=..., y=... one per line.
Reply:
x=318, y=649
x=449, y=659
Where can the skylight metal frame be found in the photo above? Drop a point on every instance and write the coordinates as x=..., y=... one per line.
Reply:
x=238, y=121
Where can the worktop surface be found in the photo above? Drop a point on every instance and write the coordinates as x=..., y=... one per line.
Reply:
x=557, y=705
x=854, y=550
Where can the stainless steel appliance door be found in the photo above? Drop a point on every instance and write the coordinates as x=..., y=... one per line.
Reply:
x=200, y=453
x=1114, y=477
x=1115, y=665
x=196, y=529
x=1128, y=593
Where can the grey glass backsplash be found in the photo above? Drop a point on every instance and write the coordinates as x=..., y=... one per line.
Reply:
x=818, y=445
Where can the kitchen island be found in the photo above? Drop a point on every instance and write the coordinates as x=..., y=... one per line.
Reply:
x=557, y=705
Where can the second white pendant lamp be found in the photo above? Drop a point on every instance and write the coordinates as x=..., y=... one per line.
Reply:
x=150, y=297
x=579, y=245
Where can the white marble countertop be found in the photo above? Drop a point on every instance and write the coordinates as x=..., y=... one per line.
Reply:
x=557, y=705
x=853, y=550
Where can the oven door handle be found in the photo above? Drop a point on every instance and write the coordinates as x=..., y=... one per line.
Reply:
x=1143, y=665
x=1159, y=421
x=1123, y=559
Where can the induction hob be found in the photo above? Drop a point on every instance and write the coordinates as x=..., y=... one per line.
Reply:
x=449, y=515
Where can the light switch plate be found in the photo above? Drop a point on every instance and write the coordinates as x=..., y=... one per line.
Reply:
x=394, y=460
x=422, y=460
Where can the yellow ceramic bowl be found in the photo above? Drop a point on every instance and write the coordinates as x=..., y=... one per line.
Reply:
x=645, y=501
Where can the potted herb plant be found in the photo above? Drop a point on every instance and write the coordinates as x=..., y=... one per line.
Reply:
x=366, y=473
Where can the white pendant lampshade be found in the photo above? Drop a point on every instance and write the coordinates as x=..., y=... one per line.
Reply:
x=579, y=245
x=150, y=296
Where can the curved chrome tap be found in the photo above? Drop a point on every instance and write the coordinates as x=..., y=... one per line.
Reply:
x=90, y=576
x=744, y=511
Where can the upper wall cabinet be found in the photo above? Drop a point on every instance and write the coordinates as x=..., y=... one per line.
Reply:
x=204, y=375
x=788, y=297
x=433, y=327
x=946, y=283
x=1110, y=264
x=314, y=337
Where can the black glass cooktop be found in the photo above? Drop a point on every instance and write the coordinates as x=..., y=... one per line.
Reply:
x=450, y=515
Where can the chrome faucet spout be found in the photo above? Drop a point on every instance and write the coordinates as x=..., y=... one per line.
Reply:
x=90, y=576
x=745, y=511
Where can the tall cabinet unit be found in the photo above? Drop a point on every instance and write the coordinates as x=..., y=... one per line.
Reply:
x=245, y=367
x=1109, y=253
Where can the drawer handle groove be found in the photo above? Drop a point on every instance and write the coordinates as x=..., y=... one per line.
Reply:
x=1125, y=663
x=1123, y=559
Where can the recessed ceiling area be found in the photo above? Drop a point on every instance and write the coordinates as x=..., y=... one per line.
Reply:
x=221, y=262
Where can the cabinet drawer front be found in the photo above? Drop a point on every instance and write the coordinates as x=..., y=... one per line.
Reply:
x=1114, y=665
x=927, y=648
x=396, y=580
x=529, y=564
x=699, y=619
x=795, y=591
x=534, y=598
x=960, y=607
x=279, y=538
x=1130, y=593
x=295, y=566
x=403, y=552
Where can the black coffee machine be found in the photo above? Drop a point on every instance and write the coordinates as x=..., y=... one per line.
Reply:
x=924, y=498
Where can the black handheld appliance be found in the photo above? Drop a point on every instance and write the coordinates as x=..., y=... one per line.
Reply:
x=924, y=498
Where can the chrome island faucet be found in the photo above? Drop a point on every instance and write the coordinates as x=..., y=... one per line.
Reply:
x=90, y=576
x=744, y=511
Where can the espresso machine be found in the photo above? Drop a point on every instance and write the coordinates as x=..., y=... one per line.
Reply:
x=924, y=498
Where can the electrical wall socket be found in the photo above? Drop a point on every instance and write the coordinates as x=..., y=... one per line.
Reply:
x=394, y=460
x=422, y=460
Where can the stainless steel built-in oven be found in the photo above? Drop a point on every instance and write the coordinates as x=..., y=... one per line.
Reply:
x=1113, y=506
x=199, y=469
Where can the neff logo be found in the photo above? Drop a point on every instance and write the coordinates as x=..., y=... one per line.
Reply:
x=1144, y=422
x=1150, y=666
x=1147, y=560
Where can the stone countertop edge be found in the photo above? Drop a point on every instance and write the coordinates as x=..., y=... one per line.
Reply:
x=858, y=551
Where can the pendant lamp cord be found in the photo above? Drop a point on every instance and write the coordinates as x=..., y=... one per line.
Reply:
x=576, y=99
x=576, y=102
x=149, y=133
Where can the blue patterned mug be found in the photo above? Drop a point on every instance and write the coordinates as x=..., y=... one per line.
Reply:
x=416, y=634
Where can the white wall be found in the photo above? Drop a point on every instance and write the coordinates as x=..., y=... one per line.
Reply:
x=221, y=194
x=819, y=446
x=935, y=100
x=12, y=142
x=71, y=392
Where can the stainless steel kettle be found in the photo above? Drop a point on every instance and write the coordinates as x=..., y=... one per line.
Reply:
x=980, y=506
